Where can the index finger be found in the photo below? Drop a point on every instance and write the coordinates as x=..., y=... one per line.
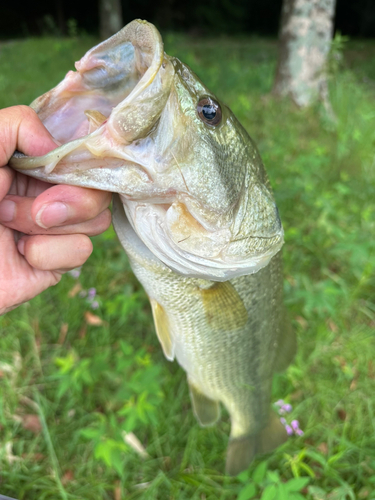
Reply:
x=20, y=128
x=81, y=204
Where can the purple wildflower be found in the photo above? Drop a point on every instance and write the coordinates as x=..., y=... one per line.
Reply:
x=91, y=293
x=294, y=424
x=289, y=430
x=95, y=304
x=285, y=408
x=75, y=272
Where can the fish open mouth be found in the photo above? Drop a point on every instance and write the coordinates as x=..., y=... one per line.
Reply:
x=114, y=98
x=108, y=117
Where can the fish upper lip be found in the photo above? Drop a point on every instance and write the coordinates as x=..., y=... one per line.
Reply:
x=81, y=85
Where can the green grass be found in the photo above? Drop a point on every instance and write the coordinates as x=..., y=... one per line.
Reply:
x=87, y=384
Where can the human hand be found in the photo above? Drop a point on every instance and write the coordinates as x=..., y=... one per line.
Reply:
x=56, y=220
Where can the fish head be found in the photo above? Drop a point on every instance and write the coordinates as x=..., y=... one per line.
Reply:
x=134, y=121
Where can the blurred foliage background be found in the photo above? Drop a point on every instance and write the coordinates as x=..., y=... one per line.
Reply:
x=24, y=18
x=89, y=408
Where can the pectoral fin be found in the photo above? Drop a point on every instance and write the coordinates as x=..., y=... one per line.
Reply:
x=162, y=329
x=206, y=410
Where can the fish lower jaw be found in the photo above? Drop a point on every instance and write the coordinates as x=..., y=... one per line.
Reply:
x=196, y=254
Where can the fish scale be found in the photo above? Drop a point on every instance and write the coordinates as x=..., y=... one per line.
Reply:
x=232, y=365
x=195, y=213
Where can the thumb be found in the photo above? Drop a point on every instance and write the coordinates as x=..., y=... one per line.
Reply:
x=21, y=128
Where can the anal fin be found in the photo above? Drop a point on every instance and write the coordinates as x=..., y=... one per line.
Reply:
x=162, y=329
x=206, y=410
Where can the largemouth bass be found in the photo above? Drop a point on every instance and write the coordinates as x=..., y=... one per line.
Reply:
x=195, y=213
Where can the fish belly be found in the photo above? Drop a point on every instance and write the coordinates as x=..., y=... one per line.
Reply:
x=228, y=337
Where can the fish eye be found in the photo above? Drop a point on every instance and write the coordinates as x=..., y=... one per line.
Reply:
x=209, y=111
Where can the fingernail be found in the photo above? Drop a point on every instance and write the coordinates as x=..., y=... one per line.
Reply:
x=7, y=210
x=52, y=214
x=21, y=247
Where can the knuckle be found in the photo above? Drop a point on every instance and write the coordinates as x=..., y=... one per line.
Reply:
x=48, y=254
x=92, y=204
x=100, y=224
x=104, y=221
x=56, y=278
x=107, y=199
x=84, y=248
x=95, y=201
x=107, y=219
x=35, y=255
x=86, y=207
x=26, y=111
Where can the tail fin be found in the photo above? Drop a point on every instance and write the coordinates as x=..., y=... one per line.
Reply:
x=241, y=451
x=240, y=454
x=272, y=436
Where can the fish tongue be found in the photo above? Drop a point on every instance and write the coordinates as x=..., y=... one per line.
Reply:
x=115, y=97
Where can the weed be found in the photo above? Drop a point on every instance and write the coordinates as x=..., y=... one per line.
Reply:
x=92, y=379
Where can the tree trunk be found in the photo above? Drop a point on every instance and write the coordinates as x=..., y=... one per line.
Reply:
x=304, y=42
x=110, y=14
x=60, y=17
